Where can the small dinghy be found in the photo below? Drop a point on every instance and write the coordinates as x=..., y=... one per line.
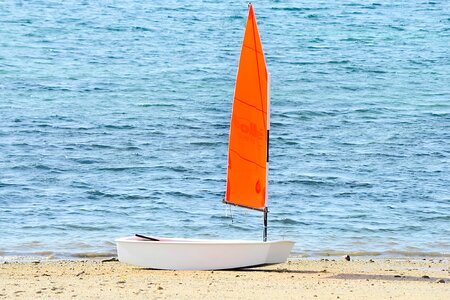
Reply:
x=247, y=181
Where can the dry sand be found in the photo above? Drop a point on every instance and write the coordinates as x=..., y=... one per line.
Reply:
x=297, y=279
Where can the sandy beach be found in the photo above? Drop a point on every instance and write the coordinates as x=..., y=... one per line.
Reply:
x=417, y=278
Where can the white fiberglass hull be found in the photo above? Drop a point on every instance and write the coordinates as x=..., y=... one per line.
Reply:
x=190, y=254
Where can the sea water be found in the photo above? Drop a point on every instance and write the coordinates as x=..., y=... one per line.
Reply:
x=114, y=120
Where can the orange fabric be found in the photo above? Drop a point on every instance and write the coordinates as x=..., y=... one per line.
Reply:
x=247, y=153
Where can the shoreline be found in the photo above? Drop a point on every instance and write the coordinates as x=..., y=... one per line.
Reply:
x=336, y=255
x=326, y=278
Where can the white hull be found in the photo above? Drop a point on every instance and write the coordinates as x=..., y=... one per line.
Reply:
x=190, y=254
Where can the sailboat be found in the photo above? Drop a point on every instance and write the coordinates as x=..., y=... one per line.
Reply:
x=247, y=181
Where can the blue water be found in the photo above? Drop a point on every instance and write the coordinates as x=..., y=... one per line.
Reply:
x=114, y=120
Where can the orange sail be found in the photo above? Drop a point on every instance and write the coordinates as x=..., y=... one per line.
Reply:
x=248, y=144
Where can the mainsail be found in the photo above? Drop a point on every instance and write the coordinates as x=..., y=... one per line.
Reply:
x=248, y=144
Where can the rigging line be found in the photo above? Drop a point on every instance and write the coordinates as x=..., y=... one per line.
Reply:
x=229, y=212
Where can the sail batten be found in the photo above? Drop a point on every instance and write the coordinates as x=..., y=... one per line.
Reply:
x=250, y=104
x=249, y=160
x=248, y=144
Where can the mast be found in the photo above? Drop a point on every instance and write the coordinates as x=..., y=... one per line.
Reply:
x=266, y=210
x=248, y=152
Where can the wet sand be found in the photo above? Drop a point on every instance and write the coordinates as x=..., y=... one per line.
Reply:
x=310, y=279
